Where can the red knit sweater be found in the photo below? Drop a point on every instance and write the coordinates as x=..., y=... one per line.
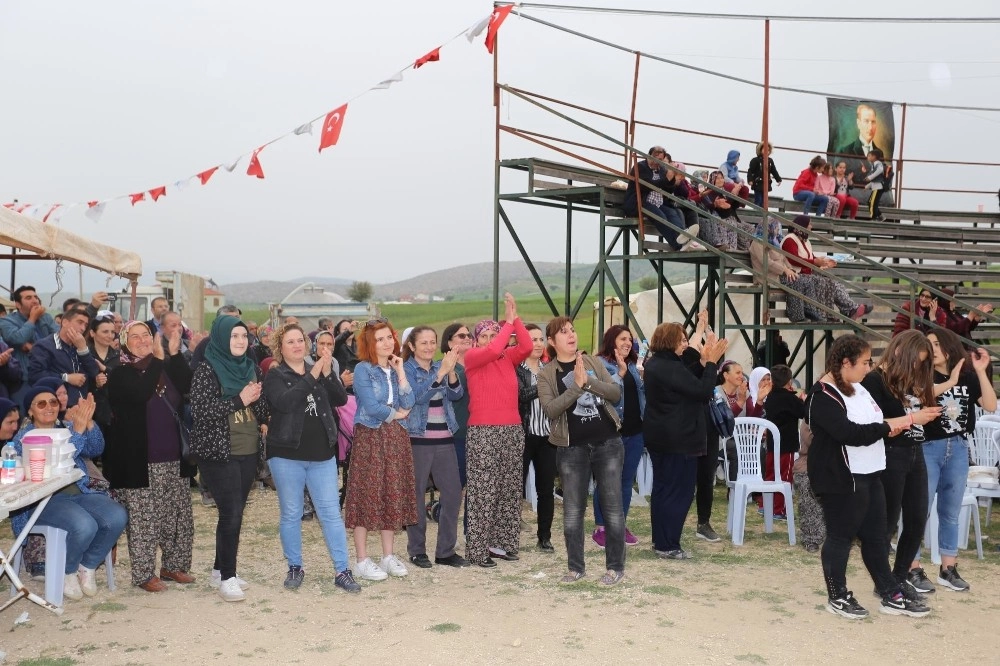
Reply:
x=491, y=377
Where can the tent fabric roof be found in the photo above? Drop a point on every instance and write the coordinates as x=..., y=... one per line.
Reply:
x=54, y=242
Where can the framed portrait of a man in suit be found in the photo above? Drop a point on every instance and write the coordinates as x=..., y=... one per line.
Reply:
x=856, y=127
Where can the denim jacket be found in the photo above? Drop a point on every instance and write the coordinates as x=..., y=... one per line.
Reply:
x=425, y=388
x=371, y=389
x=620, y=405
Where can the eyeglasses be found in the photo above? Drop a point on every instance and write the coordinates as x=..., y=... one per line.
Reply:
x=376, y=321
x=925, y=296
x=462, y=336
x=42, y=404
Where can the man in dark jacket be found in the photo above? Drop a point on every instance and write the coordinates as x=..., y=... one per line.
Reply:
x=654, y=172
x=66, y=356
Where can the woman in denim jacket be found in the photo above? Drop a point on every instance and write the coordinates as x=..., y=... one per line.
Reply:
x=620, y=357
x=381, y=494
x=431, y=424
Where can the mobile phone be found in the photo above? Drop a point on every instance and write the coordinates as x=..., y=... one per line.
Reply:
x=112, y=298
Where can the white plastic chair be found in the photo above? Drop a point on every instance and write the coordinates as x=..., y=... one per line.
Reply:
x=748, y=434
x=55, y=563
x=984, y=451
x=969, y=514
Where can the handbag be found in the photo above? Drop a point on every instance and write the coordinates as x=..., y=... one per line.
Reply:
x=722, y=415
x=187, y=455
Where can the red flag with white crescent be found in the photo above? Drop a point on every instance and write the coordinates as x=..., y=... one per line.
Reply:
x=136, y=198
x=331, y=127
x=255, y=169
x=496, y=20
x=432, y=56
x=206, y=174
x=158, y=192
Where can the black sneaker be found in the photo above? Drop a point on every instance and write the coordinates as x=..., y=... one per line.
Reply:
x=421, y=561
x=847, y=606
x=345, y=581
x=919, y=582
x=294, y=578
x=453, y=560
x=545, y=546
x=898, y=604
x=907, y=591
x=948, y=576
x=706, y=532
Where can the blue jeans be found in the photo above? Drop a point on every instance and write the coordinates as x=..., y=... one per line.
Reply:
x=633, y=456
x=576, y=465
x=668, y=213
x=93, y=523
x=809, y=198
x=947, y=472
x=291, y=477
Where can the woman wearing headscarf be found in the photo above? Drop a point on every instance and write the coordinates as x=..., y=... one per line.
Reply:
x=143, y=458
x=804, y=260
x=228, y=419
x=495, y=445
x=92, y=520
x=302, y=447
x=767, y=241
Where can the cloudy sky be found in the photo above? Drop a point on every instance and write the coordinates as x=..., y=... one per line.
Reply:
x=109, y=98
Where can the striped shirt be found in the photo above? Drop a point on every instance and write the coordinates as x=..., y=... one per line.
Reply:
x=437, y=425
x=538, y=424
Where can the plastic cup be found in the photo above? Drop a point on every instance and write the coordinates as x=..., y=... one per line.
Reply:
x=37, y=468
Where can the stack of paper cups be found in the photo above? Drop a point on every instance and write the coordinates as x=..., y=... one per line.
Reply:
x=36, y=463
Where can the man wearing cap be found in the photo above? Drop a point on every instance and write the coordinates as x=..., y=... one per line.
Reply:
x=65, y=355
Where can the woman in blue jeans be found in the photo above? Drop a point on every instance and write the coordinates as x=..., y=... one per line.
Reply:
x=946, y=452
x=92, y=520
x=804, y=189
x=302, y=448
x=620, y=358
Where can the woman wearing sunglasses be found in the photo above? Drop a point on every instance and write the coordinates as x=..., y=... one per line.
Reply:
x=92, y=520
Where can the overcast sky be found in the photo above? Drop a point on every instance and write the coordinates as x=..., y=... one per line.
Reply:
x=113, y=97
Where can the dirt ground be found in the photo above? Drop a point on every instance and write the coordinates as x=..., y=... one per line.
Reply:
x=761, y=603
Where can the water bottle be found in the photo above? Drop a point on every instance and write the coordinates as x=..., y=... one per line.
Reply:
x=8, y=470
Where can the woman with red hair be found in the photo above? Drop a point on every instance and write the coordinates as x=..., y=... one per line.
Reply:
x=381, y=494
x=495, y=440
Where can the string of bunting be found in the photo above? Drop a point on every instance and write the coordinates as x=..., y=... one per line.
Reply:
x=333, y=123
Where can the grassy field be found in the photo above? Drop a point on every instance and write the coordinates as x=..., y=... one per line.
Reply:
x=438, y=315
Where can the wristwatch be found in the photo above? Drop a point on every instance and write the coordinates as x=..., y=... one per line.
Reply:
x=65, y=377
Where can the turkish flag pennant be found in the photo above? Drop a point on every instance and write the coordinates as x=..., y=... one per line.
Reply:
x=20, y=208
x=10, y=205
x=205, y=175
x=433, y=56
x=51, y=210
x=496, y=20
x=255, y=169
x=331, y=127
x=94, y=210
x=136, y=198
x=158, y=192
x=91, y=204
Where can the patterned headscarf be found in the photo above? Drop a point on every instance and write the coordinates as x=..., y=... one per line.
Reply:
x=127, y=357
x=486, y=324
x=773, y=234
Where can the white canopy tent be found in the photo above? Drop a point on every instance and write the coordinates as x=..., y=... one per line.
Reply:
x=51, y=241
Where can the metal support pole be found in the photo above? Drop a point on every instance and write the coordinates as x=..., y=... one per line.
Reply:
x=766, y=153
x=899, y=161
x=631, y=118
x=496, y=181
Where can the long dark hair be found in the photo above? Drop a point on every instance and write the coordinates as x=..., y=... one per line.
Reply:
x=608, y=345
x=902, y=370
x=951, y=347
x=847, y=347
x=410, y=343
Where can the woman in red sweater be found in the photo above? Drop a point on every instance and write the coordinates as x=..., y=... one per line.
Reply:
x=495, y=439
x=805, y=189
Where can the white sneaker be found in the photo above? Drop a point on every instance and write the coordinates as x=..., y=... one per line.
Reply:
x=369, y=570
x=71, y=587
x=393, y=566
x=216, y=580
x=230, y=590
x=88, y=582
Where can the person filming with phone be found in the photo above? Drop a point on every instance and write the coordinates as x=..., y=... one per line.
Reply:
x=925, y=308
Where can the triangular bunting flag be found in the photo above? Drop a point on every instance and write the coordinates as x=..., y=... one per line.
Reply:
x=207, y=173
x=158, y=192
x=432, y=56
x=230, y=167
x=477, y=29
x=20, y=208
x=95, y=210
x=182, y=184
x=51, y=210
x=31, y=211
x=331, y=127
x=255, y=169
x=496, y=20
x=136, y=198
x=10, y=205
x=384, y=85
x=306, y=128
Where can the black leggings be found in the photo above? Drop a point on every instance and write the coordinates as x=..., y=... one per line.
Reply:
x=859, y=514
x=538, y=450
x=705, y=485
x=229, y=483
x=905, y=483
